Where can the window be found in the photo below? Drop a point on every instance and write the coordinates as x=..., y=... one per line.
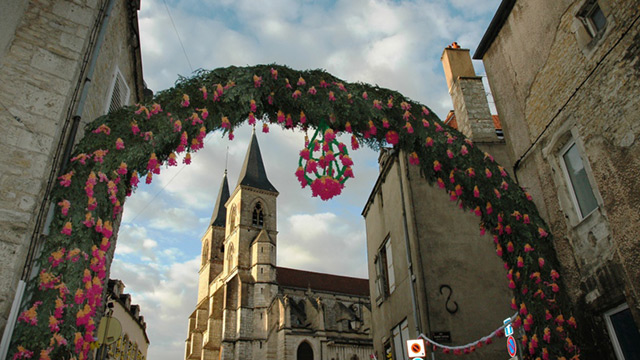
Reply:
x=580, y=189
x=385, y=276
x=400, y=336
x=258, y=215
x=623, y=332
x=592, y=18
x=118, y=93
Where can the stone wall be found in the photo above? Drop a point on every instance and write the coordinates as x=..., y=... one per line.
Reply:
x=40, y=77
x=552, y=88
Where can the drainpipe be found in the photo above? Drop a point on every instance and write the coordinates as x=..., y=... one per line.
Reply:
x=416, y=316
x=77, y=116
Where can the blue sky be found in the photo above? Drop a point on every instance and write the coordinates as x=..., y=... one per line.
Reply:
x=394, y=44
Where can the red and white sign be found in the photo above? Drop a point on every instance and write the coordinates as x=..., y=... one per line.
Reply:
x=511, y=346
x=416, y=348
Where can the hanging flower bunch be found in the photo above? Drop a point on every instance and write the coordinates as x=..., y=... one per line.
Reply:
x=63, y=305
x=331, y=167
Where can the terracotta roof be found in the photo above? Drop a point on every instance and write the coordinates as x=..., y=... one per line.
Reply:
x=322, y=282
x=451, y=121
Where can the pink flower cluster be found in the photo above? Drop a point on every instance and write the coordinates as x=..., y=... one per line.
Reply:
x=326, y=187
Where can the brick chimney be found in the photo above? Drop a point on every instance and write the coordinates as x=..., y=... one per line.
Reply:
x=468, y=95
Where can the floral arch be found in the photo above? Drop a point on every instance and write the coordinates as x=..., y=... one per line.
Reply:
x=60, y=312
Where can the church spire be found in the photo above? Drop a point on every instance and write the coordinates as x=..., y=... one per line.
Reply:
x=253, y=173
x=219, y=217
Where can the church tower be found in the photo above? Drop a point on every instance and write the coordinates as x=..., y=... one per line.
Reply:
x=237, y=279
x=250, y=259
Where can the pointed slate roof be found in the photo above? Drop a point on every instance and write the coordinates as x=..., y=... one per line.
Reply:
x=219, y=216
x=253, y=173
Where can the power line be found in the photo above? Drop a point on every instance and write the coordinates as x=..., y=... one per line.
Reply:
x=178, y=35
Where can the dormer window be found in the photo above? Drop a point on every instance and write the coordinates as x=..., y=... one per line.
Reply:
x=258, y=216
x=592, y=17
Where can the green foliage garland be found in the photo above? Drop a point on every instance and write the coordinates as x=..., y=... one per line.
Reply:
x=61, y=307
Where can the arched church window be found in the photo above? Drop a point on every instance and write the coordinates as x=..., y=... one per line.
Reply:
x=305, y=352
x=258, y=215
x=232, y=218
x=205, y=252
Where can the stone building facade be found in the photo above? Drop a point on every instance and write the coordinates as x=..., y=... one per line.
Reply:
x=430, y=270
x=249, y=308
x=62, y=63
x=565, y=78
x=132, y=344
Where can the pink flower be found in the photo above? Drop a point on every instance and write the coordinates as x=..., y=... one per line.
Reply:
x=437, y=166
x=476, y=191
x=134, y=128
x=504, y=185
x=542, y=232
x=187, y=159
x=392, y=137
x=372, y=128
x=288, y=85
x=225, y=123
x=303, y=117
x=300, y=175
x=510, y=247
x=354, y=143
x=172, y=159
x=520, y=262
x=274, y=74
x=346, y=160
x=301, y=81
x=365, y=95
x=185, y=100
x=119, y=144
x=252, y=119
x=348, y=172
x=499, y=250
x=296, y=94
x=134, y=179
x=377, y=104
x=438, y=127
x=312, y=166
x=440, y=183
x=413, y=159
x=326, y=187
x=66, y=230
x=554, y=275
x=541, y=262
x=257, y=81
x=102, y=129
x=122, y=169
x=489, y=208
x=408, y=127
x=280, y=116
x=65, y=180
x=265, y=128
x=463, y=150
x=429, y=142
x=458, y=190
x=312, y=90
x=390, y=102
x=449, y=154
x=253, y=106
x=331, y=96
x=64, y=204
x=477, y=211
x=487, y=172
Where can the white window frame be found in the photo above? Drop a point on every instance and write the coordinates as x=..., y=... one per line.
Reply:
x=585, y=15
x=612, y=332
x=117, y=74
x=567, y=178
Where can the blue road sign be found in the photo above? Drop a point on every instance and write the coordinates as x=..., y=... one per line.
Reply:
x=511, y=346
x=508, y=330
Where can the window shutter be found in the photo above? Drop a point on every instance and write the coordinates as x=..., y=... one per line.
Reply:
x=120, y=92
x=390, y=273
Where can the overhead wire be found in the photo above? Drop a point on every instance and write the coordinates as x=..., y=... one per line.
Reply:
x=177, y=34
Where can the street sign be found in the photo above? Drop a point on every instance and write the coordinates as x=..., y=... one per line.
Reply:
x=511, y=346
x=508, y=330
x=416, y=348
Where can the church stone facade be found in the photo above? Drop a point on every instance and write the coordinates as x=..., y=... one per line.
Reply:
x=249, y=308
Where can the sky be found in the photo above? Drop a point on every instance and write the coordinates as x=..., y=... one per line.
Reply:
x=393, y=44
